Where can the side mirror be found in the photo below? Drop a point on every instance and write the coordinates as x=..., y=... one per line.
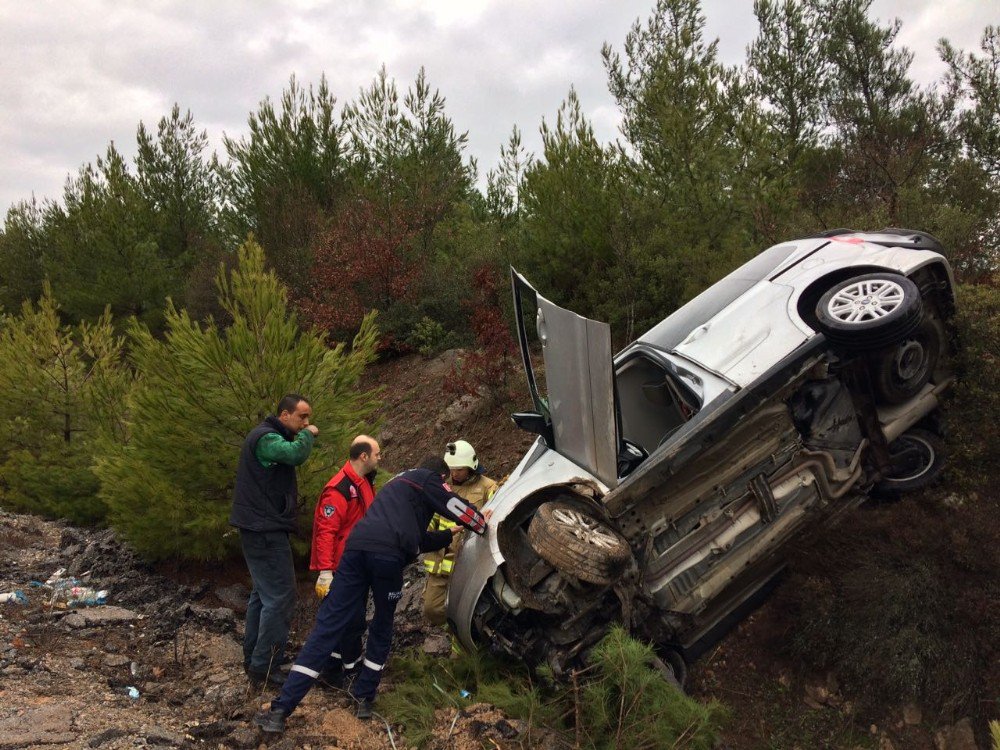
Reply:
x=535, y=423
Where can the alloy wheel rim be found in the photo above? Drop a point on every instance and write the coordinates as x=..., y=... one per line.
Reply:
x=864, y=301
x=585, y=528
x=927, y=452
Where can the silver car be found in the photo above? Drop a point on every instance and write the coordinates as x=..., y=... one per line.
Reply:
x=666, y=480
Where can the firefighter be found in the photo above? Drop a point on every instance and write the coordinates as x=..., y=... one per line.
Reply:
x=389, y=537
x=470, y=484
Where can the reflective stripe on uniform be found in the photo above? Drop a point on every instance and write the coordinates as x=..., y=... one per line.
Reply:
x=373, y=666
x=304, y=670
x=335, y=655
x=351, y=665
x=439, y=523
x=439, y=567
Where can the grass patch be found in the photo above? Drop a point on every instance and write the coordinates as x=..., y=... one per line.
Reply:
x=618, y=701
x=422, y=684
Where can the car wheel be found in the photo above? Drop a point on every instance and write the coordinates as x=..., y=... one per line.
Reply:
x=917, y=458
x=870, y=311
x=672, y=668
x=898, y=373
x=576, y=543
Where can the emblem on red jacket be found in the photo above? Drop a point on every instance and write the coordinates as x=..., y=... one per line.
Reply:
x=328, y=510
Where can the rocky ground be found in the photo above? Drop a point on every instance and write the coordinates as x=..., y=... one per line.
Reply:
x=66, y=673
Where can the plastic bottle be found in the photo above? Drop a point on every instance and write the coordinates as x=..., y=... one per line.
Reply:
x=80, y=596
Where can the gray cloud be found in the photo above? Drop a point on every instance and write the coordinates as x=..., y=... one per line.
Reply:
x=75, y=76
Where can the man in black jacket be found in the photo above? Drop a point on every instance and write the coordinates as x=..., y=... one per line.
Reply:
x=385, y=541
x=265, y=510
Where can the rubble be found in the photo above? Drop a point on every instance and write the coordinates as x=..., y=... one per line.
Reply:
x=102, y=615
x=160, y=665
x=959, y=736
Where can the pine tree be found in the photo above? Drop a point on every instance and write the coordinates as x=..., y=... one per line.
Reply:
x=200, y=390
x=22, y=241
x=286, y=176
x=103, y=246
x=181, y=187
x=63, y=390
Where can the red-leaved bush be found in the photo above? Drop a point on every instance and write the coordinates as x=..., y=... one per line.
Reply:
x=489, y=368
x=364, y=261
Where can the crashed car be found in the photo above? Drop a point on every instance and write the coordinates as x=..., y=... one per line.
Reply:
x=667, y=480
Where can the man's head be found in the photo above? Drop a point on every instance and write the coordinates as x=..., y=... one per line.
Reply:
x=435, y=464
x=461, y=459
x=294, y=412
x=365, y=454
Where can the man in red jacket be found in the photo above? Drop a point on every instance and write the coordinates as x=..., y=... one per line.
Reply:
x=343, y=502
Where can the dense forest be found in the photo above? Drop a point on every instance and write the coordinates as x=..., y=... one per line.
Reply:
x=159, y=301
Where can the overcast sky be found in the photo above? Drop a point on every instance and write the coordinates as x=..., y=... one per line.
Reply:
x=76, y=75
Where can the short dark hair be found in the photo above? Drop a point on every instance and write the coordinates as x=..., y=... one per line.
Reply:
x=288, y=403
x=435, y=464
x=359, y=448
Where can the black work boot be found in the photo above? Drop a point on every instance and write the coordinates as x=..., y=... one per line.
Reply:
x=365, y=706
x=273, y=678
x=272, y=721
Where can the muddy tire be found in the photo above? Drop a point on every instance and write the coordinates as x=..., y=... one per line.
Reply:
x=577, y=544
x=917, y=458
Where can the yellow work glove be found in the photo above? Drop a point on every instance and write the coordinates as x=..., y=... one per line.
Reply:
x=323, y=581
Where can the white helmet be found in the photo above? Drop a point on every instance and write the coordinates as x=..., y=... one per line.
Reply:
x=461, y=454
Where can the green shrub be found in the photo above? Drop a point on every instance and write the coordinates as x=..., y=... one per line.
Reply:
x=63, y=387
x=628, y=704
x=429, y=337
x=974, y=408
x=620, y=702
x=200, y=389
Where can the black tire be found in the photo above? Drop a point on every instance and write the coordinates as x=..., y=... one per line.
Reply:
x=671, y=665
x=870, y=311
x=899, y=372
x=577, y=544
x=918, y=458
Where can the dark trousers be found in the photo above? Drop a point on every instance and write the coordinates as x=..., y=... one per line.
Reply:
x=272, y=600
x=357, y=574
x=347, y=657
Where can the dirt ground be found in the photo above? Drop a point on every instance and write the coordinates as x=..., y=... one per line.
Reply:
x=66, y=673
x=173, y=635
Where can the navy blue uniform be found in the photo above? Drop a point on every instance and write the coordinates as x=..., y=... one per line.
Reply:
x=386, y=540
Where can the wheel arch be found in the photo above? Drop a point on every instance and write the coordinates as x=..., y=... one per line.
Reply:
x=584, y=492
x=935, y=272
x=810, y=296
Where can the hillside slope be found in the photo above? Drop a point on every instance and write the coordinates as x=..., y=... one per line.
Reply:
x=908, y=592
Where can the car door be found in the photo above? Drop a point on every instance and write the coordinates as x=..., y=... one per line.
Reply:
x=578, y=402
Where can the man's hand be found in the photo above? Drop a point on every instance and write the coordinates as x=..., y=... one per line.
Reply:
x=323, y=581
x=313, y=429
